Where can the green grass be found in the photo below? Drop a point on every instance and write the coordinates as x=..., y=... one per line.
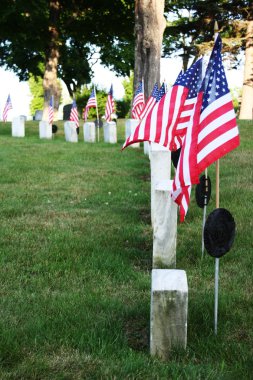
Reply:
x=76, y=253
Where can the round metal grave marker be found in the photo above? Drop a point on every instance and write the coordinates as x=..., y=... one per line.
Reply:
x=219, y=232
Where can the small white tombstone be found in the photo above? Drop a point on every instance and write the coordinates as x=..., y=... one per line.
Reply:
x=130, y=127
x=18, y=126
x=45, y=130
x=160, y=168
x=110, y=132
x=70, y=131
x=169, y=309
x=146, y=148
x=89, y=132
x=164, y=227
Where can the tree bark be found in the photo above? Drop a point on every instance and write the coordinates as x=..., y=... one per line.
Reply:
x=149, y=27
x=50, y=83
x=246, y=111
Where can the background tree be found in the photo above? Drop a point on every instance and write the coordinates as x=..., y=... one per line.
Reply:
x=149, y=27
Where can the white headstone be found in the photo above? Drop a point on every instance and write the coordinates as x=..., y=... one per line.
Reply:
x=70, y=131
x=89, y=132
x=130, y=126
x=38, y=115
x=160, y=168
x=146, y=147
x=110, y=132
x=45, y=130
x=169, y=309
x=18, y=127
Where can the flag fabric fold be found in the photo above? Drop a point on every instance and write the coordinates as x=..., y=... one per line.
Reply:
x=110, y=107
x=150, y=102
x=92, y=103
x=7, y=107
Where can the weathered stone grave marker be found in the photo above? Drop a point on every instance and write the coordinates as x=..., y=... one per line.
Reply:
x=18, y=126
x=130, y=126
x=70, y=131
x=45, y=130
x=89, y=132
x=169, y=309
x=110, y=132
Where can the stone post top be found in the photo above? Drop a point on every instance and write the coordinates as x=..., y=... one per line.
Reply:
x=154, y=147
x=169, y=279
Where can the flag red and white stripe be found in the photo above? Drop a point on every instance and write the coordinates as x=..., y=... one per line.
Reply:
x=150, y=102
x=92, y=103
x=110, y=107
x=7, y=107
x=138, y=102
x=74, y=114
x=51, y=110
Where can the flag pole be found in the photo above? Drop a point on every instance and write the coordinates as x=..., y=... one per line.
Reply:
x=204, y=212
x=217, y=203
x=97, y=111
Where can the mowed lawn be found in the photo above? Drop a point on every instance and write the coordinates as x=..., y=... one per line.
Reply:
x=76, y=260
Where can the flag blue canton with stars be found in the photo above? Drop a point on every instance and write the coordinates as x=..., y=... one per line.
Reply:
x=216, y=85
x=161, y=92
x=191, y=79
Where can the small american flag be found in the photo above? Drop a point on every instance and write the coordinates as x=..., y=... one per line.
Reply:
x=7, y=107
x=138, y=102
x=51, y=110
x=74, y=114
x=150, y=102
x=109, y=108
x=92, y=102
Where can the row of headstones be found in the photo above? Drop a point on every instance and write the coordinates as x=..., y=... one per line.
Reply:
x=169, y=288
x=89, y=130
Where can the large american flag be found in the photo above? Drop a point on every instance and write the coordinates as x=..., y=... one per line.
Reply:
x=159, y=124
x=51, y=110
x=7, y=107
x=211, y=133
x=92, y=102
x=110, y=107
x=138, y=102
x=74, y=114
x=218, y=133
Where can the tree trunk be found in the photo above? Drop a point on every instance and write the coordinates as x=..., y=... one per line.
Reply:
x=149, y=27
x=50, y=83
x=246, y=111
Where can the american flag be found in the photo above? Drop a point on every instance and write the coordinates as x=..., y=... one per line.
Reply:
x=212, y=131
x=218, y=133
x=51, y=110
x=150, y=102
x=138, y=102
x=7, y=107
x=74, y=114
x=109, y=108
x=92, y=102
x=159, y=124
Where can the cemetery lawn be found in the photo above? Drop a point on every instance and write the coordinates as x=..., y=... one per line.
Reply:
x=76, y=254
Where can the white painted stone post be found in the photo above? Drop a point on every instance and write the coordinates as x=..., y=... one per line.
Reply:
x=130, y=126
x=45, y=130
x=89, y=132
x=110, y=132
x=164, y=227
x=70, y=131
x=160, y=168
x=169, y=309
x=146, y=148
x=18, y=126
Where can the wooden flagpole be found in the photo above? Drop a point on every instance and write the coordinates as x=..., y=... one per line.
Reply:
x=217, y=203
x=97, y=111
